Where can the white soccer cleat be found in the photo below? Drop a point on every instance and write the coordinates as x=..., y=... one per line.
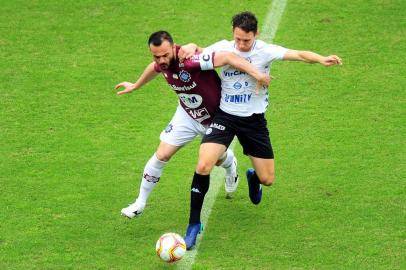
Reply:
x=232, y=179
x=133, y=210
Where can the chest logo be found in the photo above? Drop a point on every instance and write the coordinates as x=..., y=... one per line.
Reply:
x=237, y=85
x=184, y=76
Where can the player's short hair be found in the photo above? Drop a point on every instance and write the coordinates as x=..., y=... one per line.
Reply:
x=246, y=21
x=157, y=38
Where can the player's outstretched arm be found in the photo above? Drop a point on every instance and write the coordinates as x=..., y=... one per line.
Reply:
x=311, y=57
x=148, y=74
x=188, y=50
x=227, y=58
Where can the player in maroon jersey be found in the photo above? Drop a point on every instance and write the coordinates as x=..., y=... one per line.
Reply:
x=198, y=87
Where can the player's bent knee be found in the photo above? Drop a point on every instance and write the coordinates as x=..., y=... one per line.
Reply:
x=162, y=156
x=204, y=167
x=267, y=180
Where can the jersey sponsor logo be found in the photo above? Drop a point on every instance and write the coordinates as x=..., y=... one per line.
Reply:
x=192, y=101
x=237, y=98
x=199, y=114
x=183, y=88
x=233, y=73
x=237, y=85
x=151, y=178
x=217, y=126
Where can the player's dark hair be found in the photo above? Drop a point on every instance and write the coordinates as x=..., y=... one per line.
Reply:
x=157, y=38
x=246, y=21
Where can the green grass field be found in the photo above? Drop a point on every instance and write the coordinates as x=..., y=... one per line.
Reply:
x=72, y=151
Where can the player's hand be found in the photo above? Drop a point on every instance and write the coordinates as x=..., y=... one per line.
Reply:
x=186, y=51
x=263, y=81
x=331, y=60
x=128, y=87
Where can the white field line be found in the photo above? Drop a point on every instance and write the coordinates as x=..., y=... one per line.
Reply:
x=270, y=26
x=272, y=20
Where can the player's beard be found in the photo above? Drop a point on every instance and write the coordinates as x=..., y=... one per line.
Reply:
x=163, y=66
x=166, y=66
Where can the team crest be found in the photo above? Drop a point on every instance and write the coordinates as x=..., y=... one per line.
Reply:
x=237, y=85
x=169, y=128
x=184, y=76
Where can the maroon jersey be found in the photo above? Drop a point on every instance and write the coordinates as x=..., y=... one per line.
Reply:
x=197, y=85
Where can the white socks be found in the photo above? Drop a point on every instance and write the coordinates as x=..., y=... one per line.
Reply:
x=228, y=162
x=153, y=170
x=152, y=173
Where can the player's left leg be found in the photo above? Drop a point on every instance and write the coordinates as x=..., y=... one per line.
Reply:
x=254, y=138
x=262, y=174
x=229, y=162
x=264, y=169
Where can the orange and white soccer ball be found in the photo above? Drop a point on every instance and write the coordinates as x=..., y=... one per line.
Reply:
x=170, y=247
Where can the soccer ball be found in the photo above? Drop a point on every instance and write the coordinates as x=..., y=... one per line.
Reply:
x=170, y=247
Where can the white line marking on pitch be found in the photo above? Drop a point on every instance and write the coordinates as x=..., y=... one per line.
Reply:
x=269, y=28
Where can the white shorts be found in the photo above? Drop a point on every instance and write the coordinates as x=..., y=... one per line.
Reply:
x=182, y=129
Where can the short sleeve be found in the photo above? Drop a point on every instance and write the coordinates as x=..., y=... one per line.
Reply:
x=275, y=52
x=217, y=47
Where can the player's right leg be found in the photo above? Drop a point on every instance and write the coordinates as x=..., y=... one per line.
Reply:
x=209, y=154
x=150, y=177
x=180, y=131
x=215, y=142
